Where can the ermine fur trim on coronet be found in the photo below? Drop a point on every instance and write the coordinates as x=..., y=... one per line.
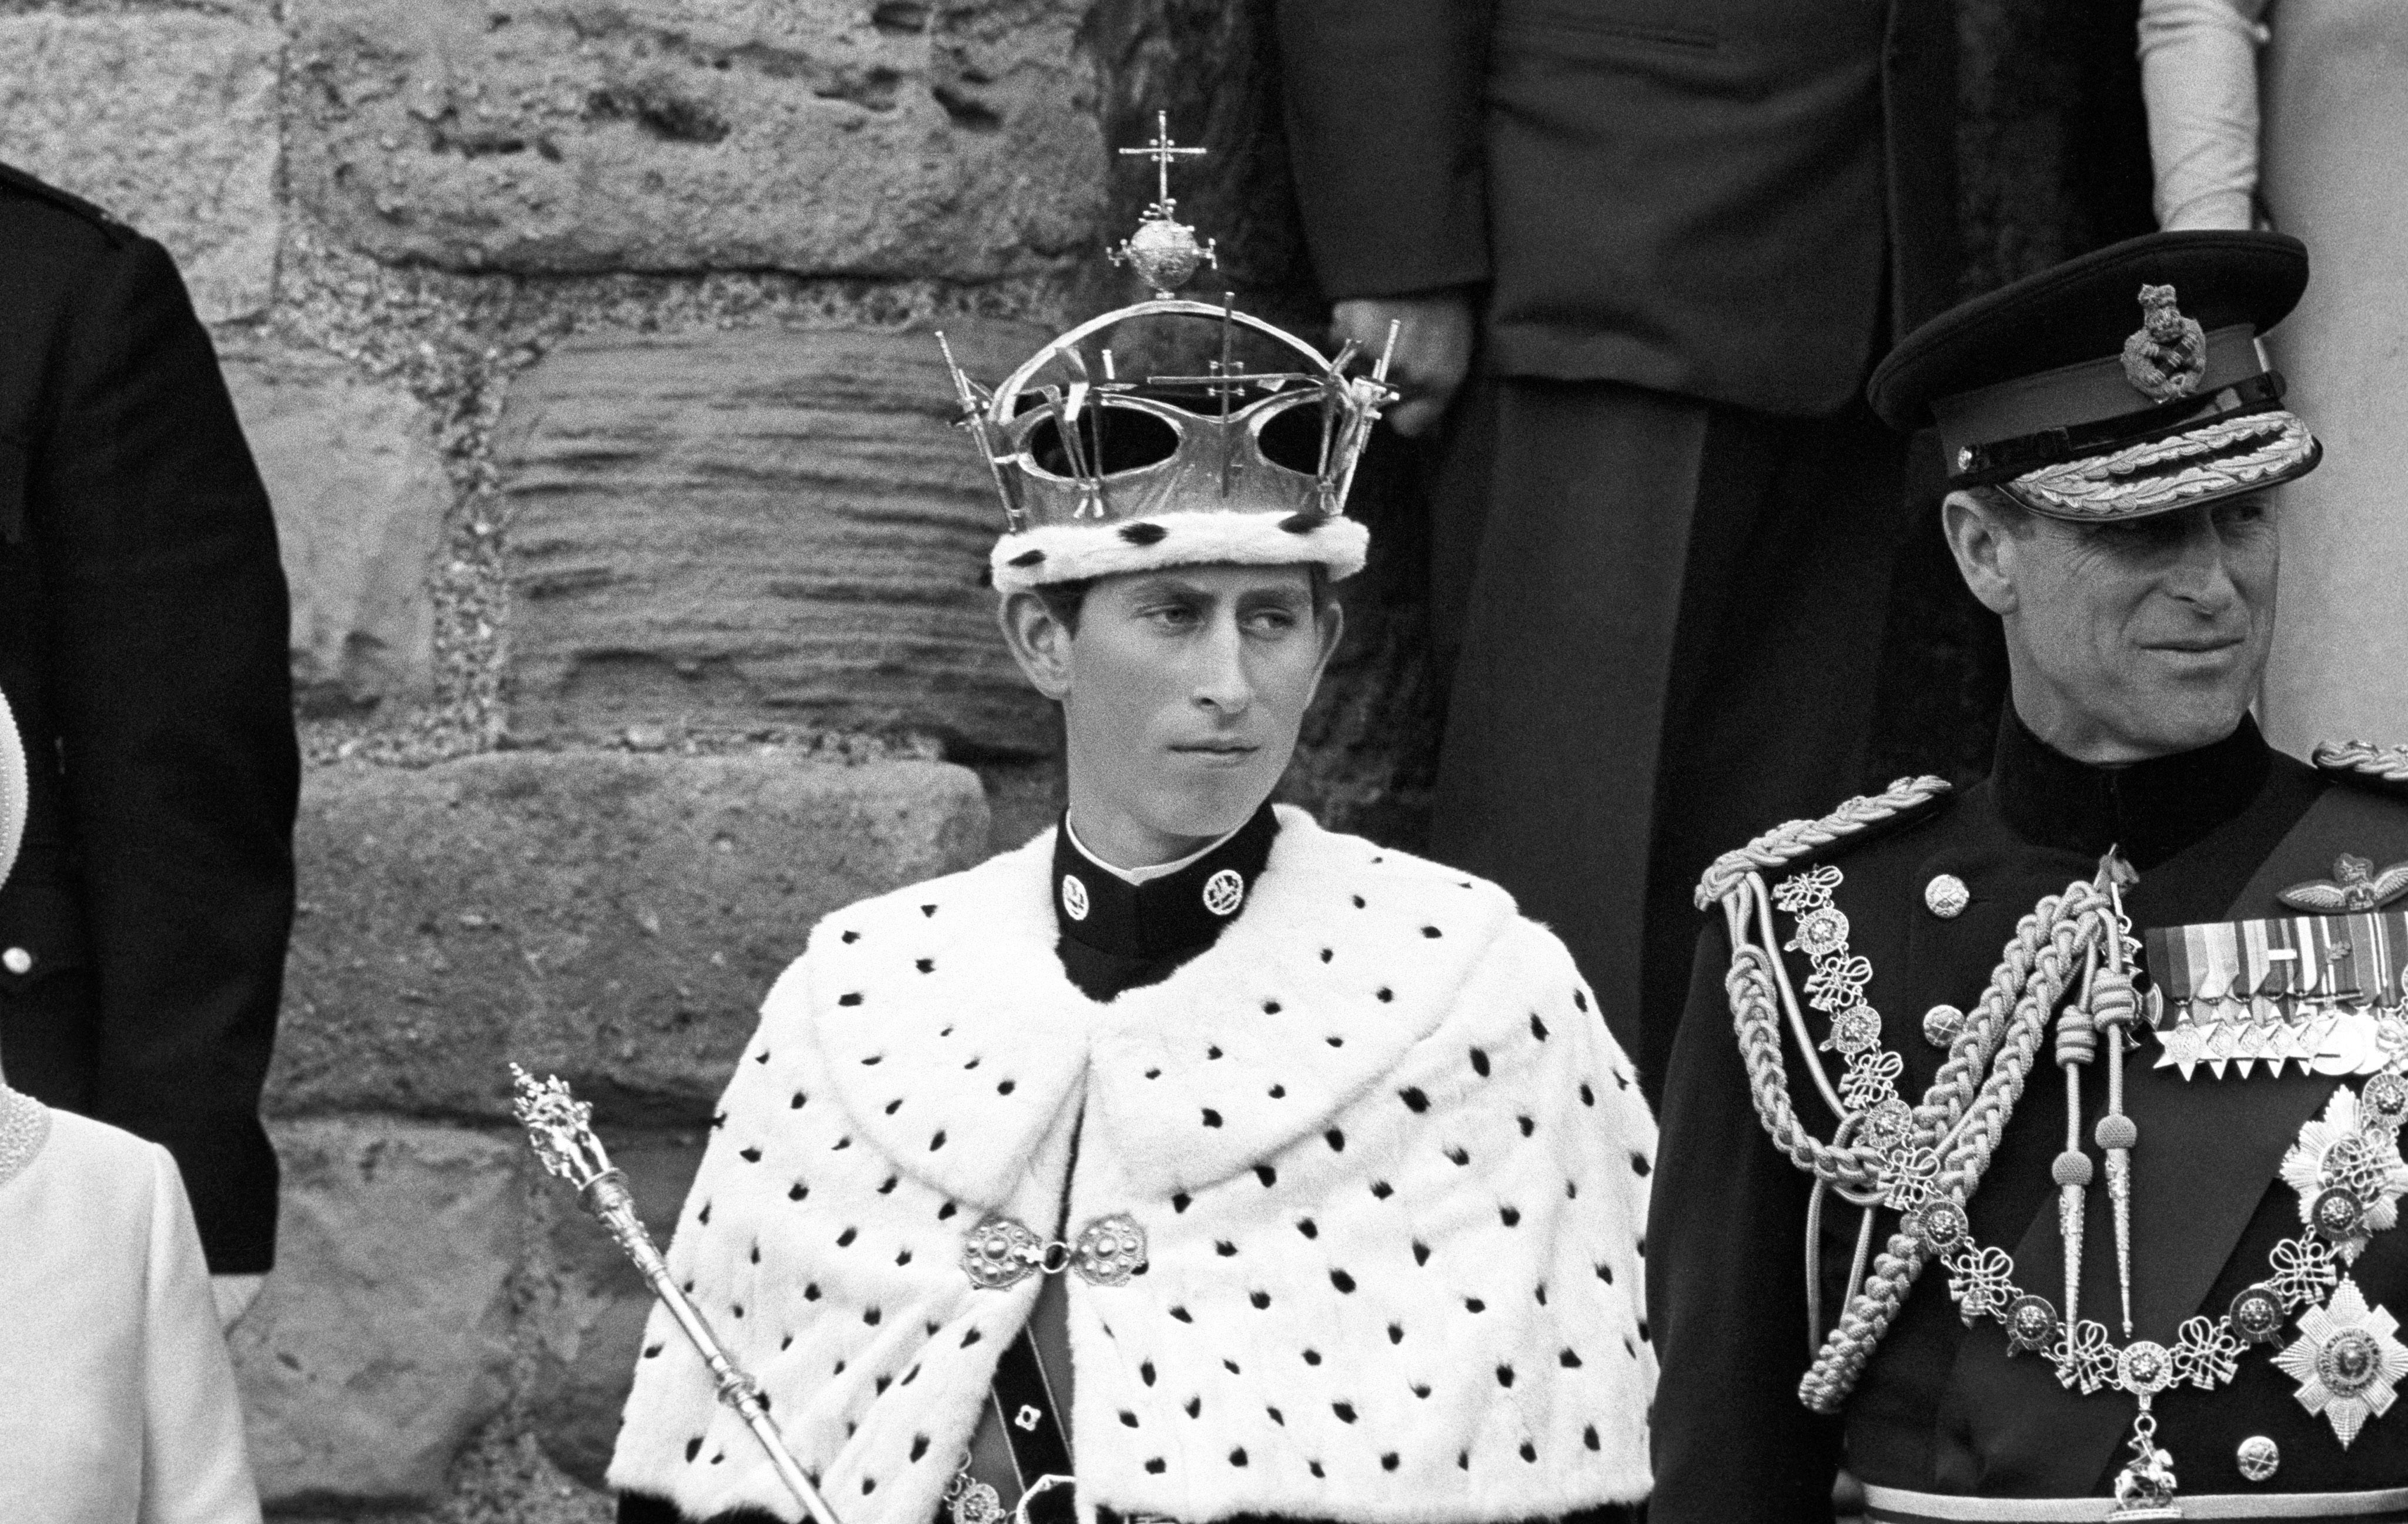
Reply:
x=1074, y=552
x=1391, y=1168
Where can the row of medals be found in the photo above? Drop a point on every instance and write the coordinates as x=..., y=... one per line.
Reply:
x=2347, y=1167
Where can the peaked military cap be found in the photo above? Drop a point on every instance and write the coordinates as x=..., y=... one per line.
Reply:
x=2124, y=383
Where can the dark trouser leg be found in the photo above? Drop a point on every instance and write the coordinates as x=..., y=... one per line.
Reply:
x=1547, y=774
x=1673, y=633
x=1770, y=716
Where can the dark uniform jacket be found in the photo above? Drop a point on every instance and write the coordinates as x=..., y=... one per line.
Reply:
x=1714, y=199
x=2215, y=834
x=143, y=630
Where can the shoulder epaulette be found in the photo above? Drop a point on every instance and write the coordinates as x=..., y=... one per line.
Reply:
x=2383, y=769
x=16, y=179
x=1909, y=799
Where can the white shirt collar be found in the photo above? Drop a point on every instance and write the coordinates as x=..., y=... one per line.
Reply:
x=1134, y=877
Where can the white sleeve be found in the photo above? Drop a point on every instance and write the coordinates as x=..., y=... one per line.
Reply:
x=194, y=1467
x=2198, y=76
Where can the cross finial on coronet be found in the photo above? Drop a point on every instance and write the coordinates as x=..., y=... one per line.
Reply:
x=1164, y=250
x=1162, y=150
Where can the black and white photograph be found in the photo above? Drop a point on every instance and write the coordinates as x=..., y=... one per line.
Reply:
x=1203, y=761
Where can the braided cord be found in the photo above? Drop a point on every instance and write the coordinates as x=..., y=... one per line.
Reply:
x=1963, y=1114
x=2389, y=763
x=1795, y=838
x=2049, y=944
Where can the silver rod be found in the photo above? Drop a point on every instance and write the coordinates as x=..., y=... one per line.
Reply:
x=560, y=1129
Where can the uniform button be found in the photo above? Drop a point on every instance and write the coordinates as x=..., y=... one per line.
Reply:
x=1942, y=1025
x=1946, y=896
x=17, y=960
x=2258, y=1458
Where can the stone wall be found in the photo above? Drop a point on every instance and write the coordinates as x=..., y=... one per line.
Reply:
x=585, y=347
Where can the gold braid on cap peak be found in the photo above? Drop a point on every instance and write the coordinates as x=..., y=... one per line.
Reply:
x=1098, y=475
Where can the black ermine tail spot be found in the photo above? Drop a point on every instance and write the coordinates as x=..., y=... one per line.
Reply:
x=1415, y=1100
x=1421, y=1252
x=919, y=1445
x=1025, y=558
x=692, y=1447
x=1588, y=1437
x=1303, y=523
x=1144, y=534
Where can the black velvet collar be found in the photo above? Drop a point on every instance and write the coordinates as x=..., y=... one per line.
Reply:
x=1179, y=912
x=2151, y=809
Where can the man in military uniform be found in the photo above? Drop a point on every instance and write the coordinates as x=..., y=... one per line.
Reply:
x=142, y=644
x=2074, y=1096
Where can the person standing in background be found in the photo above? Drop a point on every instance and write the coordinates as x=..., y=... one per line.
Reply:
x=2313, y=136
x=1682, y=236
x=143, y=634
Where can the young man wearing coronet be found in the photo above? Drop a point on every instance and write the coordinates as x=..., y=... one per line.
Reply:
x=1225, y=1164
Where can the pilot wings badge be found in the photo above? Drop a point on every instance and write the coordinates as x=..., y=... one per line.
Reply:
x=2353, y=886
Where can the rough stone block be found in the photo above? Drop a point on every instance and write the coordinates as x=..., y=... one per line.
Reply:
x=360, y=494
x=771, y=526
x=166, y=120
x=614, y=917
x=382, y=1339
x=592, y=1326
x=946, y=138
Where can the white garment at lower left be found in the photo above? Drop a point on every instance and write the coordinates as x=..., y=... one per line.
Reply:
x=117, y=1398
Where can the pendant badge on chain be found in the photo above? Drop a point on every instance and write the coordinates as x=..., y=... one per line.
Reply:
x=968, y=1501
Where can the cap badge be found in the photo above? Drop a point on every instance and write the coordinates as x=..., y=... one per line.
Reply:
x=2167, y=355
x=1074, y=896
x=1224, y=892
x=2353, y=886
